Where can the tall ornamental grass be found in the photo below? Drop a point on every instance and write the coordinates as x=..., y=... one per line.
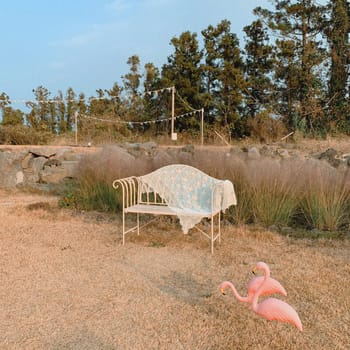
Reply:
x=273, y=191
x=306, y=194
x=325, y=200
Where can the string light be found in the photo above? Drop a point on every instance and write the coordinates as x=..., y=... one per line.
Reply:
x=92, y=98
x=139, y=122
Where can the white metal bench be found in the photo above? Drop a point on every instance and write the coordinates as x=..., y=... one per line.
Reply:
x=179, y=190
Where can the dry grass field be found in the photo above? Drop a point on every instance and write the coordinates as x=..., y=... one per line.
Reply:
x=68, y=283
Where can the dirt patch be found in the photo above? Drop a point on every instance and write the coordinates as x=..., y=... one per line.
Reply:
x=68, y=283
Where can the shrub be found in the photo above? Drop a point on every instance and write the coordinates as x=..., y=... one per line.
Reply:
x=266, y=128
x=23, y=135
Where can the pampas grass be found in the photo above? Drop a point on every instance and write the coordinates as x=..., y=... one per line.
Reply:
x=304, y=194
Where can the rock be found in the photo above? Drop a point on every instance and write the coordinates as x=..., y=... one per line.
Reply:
x=188, y=148
x=71, y=167
x=69, y=156
x=53, y=175
x=331, y=156
x=38, y=164
x=286, y=230
x=162, y=158
x=283, y=153
x=42, y=152
x=27, y=161
x=274, y=228
x=19, y=177
x=253, y=153
x=149, y=146
x=10, y=165
x=53, y=162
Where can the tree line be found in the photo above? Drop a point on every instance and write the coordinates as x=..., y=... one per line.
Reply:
x=291, y=73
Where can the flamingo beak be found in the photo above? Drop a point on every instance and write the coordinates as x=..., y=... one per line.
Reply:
x=222, y=290
x=254, y=271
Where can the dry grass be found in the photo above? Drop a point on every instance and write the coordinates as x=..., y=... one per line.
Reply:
x=68, y=283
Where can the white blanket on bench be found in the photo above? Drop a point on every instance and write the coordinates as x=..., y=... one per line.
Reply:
x=188, y=191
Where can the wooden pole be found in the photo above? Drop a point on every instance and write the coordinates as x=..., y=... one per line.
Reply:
x=76, y=127
x=202, y=127
x=172, y=111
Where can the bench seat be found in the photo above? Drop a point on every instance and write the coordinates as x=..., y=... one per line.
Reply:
x=165, y=210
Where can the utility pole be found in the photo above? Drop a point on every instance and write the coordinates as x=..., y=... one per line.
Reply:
x=173, y=135
x=76, y=127
x=202, y=127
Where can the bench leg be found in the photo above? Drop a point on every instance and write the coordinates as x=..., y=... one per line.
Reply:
x=123, y=227
x=212, y=234
x=219, y=227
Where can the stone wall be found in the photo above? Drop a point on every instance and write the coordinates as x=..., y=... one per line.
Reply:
x=34, y=166
x=43, y=167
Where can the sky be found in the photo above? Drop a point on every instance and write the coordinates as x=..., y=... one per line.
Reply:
x=84, y=44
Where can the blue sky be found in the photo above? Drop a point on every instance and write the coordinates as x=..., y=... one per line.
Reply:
x=84, y=44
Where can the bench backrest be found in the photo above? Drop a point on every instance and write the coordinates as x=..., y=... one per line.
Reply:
x=180, y=186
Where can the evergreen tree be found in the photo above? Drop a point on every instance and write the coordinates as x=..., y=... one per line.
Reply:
x=10, y=116
x=183, y=71
x=259, y=64
x=132, y=82
x=98, y=104
x=61, y=113
x=337, y=32
x=4, y=102
x=155, y=105
x=287, y=71
x=71, y=108
x=211, y=68
x=115, y=103
x=298, y=23
x=39, y=116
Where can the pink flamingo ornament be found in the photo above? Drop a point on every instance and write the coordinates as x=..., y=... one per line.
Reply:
x=272, y=308
x=272, y=286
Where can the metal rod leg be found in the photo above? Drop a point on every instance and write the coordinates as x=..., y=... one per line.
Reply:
x=123, y=227
x=219, y=227
x=138, y=224
x=212, y=234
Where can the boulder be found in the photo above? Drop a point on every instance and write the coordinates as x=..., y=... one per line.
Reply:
x=10, y=165
x=253, y=153
x=53, y=175
x=43, y=152
x=331, y=156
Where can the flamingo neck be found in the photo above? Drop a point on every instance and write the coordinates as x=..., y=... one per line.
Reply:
x=266, y=270
x=227, y=284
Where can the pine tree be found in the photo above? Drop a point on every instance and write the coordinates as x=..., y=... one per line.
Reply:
x=132, y=82
x=71, y=108
x=259, y=64
x=154, y=104
x=10, y=116
x=183, y=71
x=337, y=32
x=298, y=25
x=61, y=113
x=39, y=116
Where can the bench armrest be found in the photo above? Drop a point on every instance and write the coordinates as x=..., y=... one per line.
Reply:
x=129, y=186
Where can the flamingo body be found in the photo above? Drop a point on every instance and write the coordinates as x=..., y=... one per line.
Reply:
x=271, y=308
x=272, y=286
x=278, y=310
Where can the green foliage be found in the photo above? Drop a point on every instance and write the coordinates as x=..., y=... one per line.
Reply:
x=23, y=135
x=265, y=128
